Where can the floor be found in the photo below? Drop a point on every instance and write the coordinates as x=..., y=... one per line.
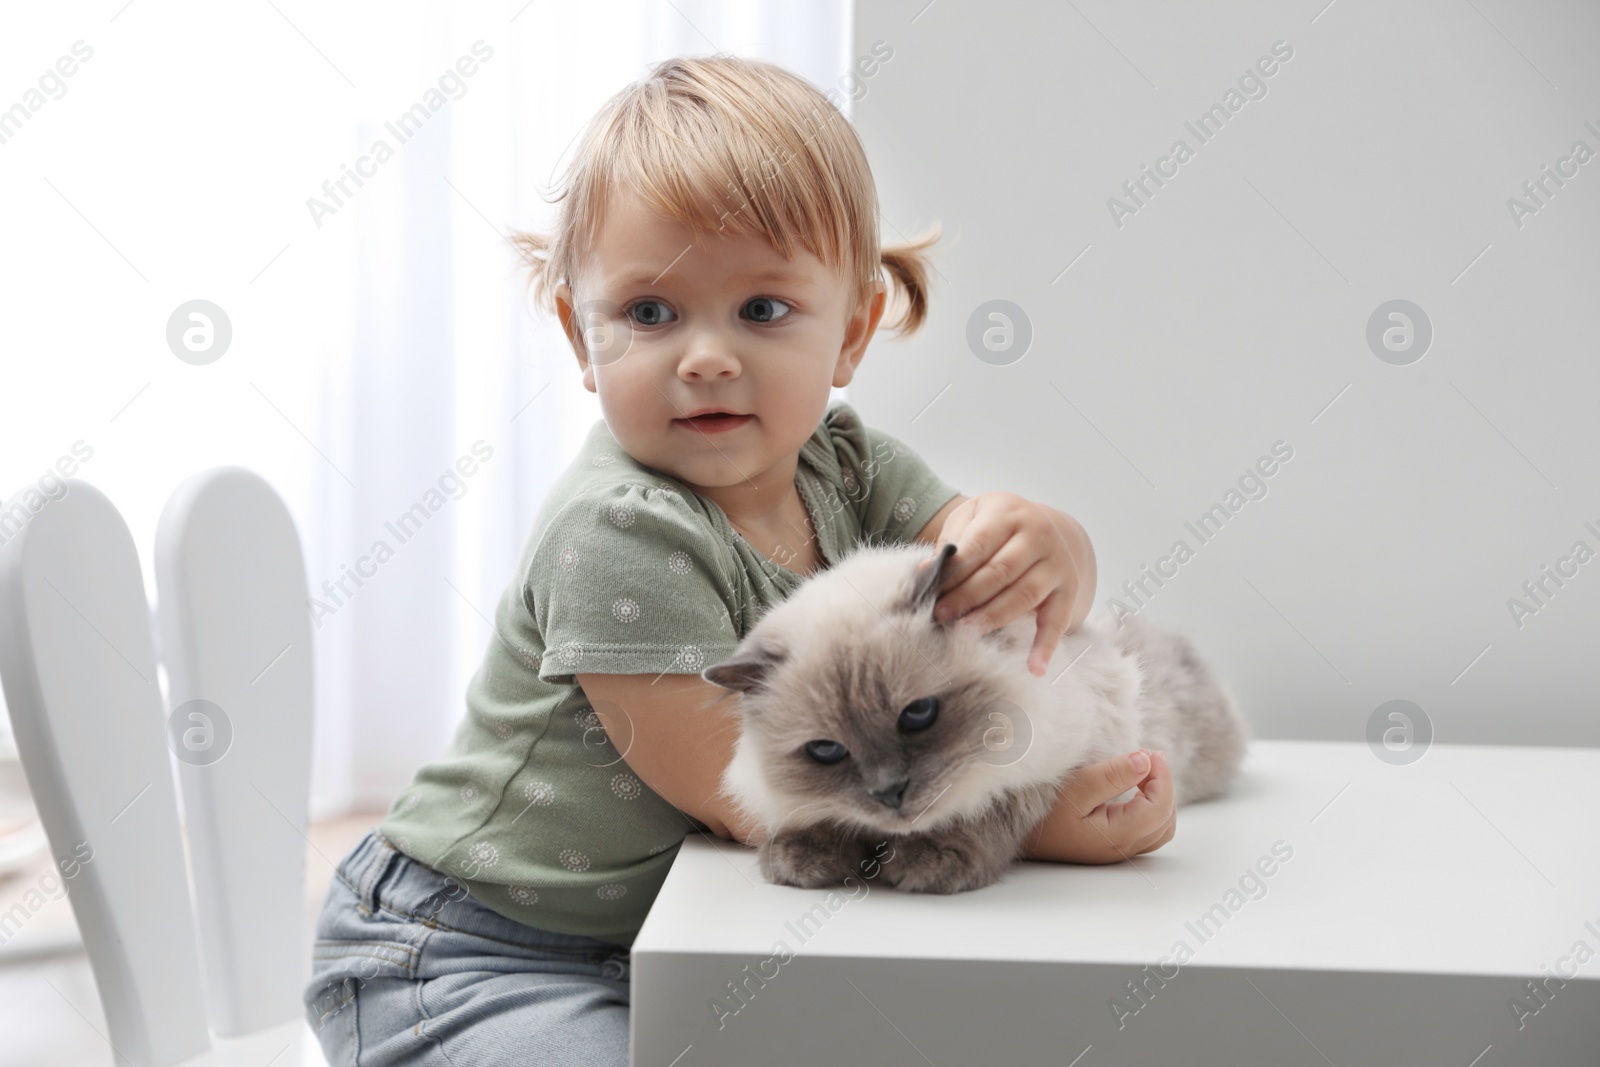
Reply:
x=50, y=1014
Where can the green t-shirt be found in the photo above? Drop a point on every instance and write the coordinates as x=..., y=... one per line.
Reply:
x=627, y=571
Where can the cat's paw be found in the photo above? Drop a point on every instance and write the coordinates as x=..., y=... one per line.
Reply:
x=923, y=863
x=811, y=857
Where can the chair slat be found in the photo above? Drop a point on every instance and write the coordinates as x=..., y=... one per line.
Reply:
x=236, y=634
x=78, y=664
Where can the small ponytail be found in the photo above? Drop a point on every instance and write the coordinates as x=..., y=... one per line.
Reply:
x=907, y=266
x=533, y=250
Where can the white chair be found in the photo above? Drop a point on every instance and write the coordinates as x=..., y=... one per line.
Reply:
x=217, y=981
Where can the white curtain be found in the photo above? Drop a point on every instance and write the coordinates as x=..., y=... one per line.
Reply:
x=380, y=329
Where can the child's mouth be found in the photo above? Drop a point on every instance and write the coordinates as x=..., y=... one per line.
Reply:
x=714, y=423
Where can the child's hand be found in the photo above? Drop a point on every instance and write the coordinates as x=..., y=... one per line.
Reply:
x=1014, y=556
x=1084, y=827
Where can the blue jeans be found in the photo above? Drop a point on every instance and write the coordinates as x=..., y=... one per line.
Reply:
x=410, y=970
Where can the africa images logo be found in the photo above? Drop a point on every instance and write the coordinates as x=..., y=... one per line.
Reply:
x=403, y=128
x=1205, y=128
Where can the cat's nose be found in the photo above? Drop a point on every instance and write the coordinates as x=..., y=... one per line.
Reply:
x=891, y=794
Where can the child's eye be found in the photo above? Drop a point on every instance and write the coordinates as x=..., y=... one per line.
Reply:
x=765, y=309
x=650, y=313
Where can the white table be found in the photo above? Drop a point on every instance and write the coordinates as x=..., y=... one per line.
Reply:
x=1416, y=904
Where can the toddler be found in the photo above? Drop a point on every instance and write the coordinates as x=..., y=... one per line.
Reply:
x=717, y=267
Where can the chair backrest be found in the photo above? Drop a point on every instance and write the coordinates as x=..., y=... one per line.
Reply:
x=236, y=641
x=78, y=664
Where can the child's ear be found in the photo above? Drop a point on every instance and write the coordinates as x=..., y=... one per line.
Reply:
x=568, y=316
x=858, y=331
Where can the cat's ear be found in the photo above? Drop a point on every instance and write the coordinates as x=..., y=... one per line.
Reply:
x=926, y=581
x=747, y=669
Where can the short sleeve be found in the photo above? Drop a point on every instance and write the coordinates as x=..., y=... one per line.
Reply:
x=893, y=492
x=629, y=579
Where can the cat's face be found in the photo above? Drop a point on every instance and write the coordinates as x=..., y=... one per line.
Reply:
x=859, y=705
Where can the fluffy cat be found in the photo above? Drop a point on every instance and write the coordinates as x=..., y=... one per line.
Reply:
x=865, y=720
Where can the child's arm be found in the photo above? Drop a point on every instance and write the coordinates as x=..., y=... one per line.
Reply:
x=632, y=594
x=676, y=732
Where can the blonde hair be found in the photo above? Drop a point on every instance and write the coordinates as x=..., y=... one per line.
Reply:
x=732, y=146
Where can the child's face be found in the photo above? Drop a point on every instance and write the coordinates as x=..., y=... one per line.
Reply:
x=667, y=322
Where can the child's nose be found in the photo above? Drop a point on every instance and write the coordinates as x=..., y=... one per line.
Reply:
x=709, y=353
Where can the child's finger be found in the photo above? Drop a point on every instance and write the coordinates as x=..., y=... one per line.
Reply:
x=1118, y=825
x=980, y=542
x=1027, y=582
x=1133, y=821
x=1053, y=616
x=1128, y=828
x=1148, y=811
x=1094, y=785
x=1166, y=833
x=1158, y=786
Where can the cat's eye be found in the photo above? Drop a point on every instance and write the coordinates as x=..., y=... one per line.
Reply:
x=826, y=751
x=919, y=714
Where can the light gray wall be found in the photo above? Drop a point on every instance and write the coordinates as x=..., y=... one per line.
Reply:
x=1230, y=312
